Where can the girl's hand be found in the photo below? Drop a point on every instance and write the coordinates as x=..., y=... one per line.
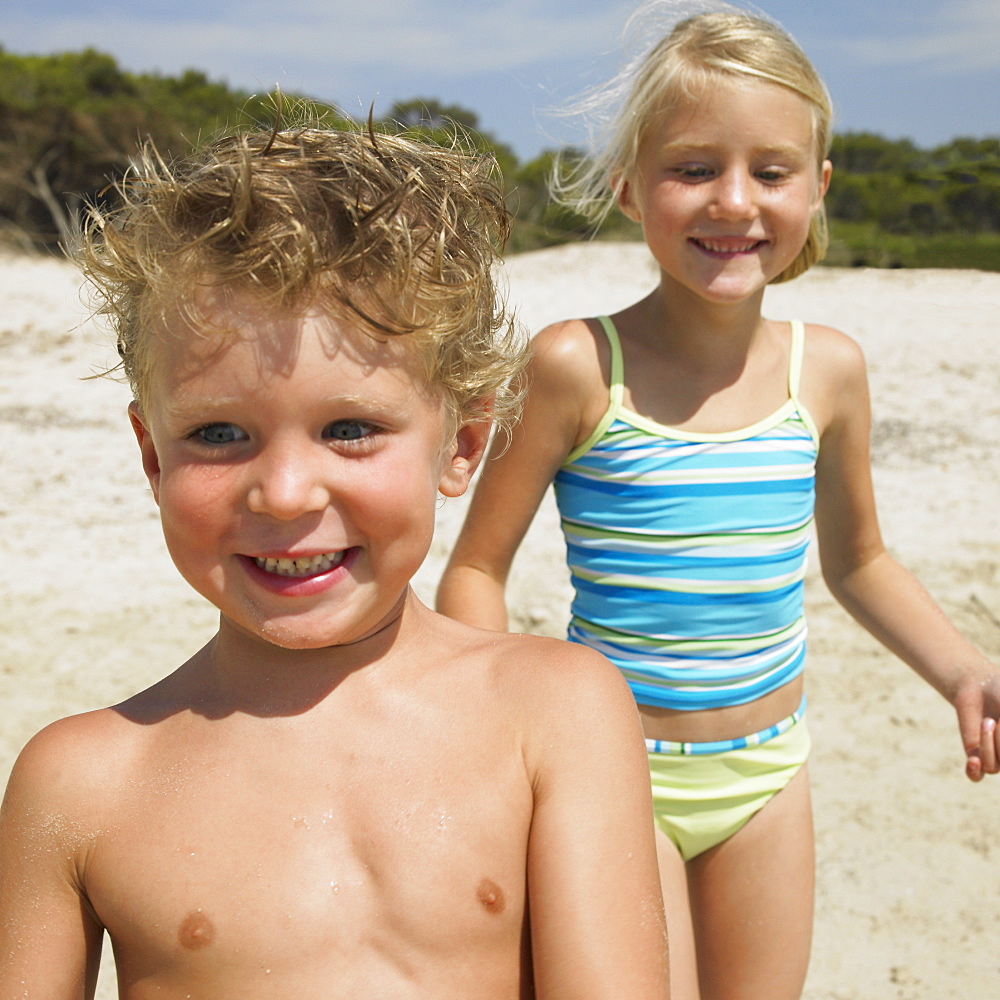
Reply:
x=977, y=703
x=879, y=593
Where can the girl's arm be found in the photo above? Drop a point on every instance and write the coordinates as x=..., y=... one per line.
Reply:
x=879, y=593
x=562, y=376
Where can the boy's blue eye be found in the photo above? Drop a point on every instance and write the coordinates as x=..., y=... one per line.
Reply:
x=348, y=430
x=220, y=433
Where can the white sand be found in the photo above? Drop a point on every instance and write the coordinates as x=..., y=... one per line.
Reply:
x=91, y=608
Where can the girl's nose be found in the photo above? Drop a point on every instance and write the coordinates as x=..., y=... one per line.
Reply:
x=734, y=196
x=286, y=484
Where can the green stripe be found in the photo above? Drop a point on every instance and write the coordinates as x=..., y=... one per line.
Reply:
x=633, y=641
x=687, y=586
x=576, y=530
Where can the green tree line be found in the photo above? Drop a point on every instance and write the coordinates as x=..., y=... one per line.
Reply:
x=69, y=123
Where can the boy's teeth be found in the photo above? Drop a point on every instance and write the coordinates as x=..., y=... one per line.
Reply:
x=304, y=566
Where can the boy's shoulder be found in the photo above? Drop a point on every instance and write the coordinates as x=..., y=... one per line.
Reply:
x=62, y=782
x=88, y=744
x=544, y=697
x=541, y=676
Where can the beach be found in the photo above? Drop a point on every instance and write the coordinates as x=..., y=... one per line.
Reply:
x=91, y=608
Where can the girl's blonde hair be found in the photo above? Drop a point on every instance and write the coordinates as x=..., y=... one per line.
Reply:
x=397, y=234
x=720, y=42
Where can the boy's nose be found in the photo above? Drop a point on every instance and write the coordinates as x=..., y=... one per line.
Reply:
x=286, y=485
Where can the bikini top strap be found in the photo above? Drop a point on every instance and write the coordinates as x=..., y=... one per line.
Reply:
x=615, y=393
x=795, y=375
x=795, y=357
x=617, y=386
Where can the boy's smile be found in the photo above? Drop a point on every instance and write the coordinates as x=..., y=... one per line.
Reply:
x=298, y=576
x=297, y=469
x=301, y=567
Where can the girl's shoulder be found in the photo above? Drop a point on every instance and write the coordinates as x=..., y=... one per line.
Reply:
x=573, y=342
x=834, y=375
x=570, y=374
x=573, y=355
x=830, y=354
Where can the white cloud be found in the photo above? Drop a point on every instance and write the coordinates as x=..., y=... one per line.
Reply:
x=962, y=37
x=448, y=37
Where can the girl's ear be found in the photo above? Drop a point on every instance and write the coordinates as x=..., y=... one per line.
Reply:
x=626, y=202
x=825, y=170
x=150, y=460
x=466, y=451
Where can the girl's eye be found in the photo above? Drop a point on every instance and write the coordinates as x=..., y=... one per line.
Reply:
x=348, y=430
x=771, y=176
x=220, y=433
x=693, y=173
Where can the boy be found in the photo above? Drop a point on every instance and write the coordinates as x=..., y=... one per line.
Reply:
x=342, y=794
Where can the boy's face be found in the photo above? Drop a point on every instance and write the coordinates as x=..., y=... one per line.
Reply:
x=297, y=470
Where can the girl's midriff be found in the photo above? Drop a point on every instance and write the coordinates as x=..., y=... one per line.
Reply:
x=726, y=723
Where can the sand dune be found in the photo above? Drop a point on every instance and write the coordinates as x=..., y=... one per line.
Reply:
x=91, y=608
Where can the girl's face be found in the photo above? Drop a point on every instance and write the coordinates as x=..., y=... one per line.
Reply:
x=725, y=187
x=297, y=471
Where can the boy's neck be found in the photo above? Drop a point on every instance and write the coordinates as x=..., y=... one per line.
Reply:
x=239, y=671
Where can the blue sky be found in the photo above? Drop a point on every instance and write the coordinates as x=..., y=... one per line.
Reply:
x=927, y=70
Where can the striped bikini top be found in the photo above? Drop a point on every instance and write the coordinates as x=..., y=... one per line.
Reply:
x=687, y=551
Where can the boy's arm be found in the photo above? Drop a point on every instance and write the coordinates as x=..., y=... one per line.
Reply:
x=514, y=480
x=594, y=903
x=50, y=941
x=879, y=593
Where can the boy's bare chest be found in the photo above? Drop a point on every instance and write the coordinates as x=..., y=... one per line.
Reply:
x=275, y=864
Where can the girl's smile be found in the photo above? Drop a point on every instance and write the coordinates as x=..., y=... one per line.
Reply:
x=724, y=249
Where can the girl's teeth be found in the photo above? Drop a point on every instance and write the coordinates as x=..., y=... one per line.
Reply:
x=304, y=566
x=716, y=248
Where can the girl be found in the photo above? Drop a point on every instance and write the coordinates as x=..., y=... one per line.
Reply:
x=690, y=440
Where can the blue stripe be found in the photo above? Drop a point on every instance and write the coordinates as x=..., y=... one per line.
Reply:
x=674, y=748
x=625, y=562
x=703, y=698
x=685, y=597
x=667, y=490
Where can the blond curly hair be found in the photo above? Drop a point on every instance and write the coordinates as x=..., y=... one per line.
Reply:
x=401, y=236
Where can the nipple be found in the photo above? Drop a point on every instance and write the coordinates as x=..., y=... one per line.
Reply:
x=196, y=931
x=491, y=896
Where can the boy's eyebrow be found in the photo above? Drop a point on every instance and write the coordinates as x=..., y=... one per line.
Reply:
x=176, y=408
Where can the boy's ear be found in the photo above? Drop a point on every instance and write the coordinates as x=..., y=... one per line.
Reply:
x=150, y=460
x=466, y=451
